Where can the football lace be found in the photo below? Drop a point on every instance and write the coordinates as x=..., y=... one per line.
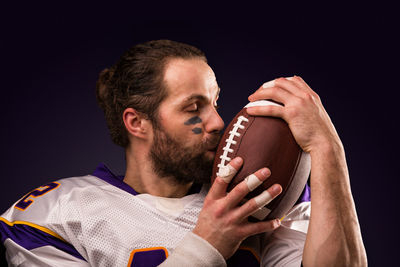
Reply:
x=230, y=142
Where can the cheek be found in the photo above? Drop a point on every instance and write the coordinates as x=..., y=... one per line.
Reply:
x=187, y=135
x=193, y=136
x=195, y=124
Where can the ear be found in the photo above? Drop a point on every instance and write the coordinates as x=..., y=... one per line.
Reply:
x=136, y=123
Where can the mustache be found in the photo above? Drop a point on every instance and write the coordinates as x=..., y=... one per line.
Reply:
x=212, y=141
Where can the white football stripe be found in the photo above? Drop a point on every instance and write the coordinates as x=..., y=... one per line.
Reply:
x=272, y=83
x=229, y=142
x=269, y=84
x=261, y=103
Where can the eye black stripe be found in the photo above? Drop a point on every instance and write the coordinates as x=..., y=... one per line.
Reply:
x=193, y=120
x=197, y=130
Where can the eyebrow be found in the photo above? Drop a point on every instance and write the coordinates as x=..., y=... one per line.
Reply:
x=199, y=97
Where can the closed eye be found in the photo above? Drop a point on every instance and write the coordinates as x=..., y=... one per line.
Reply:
x=193, y=108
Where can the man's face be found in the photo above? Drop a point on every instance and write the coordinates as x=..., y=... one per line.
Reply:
x=188, y=128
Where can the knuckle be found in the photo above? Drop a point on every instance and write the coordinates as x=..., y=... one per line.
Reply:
x=308, y=97
x=274, y=90
x=251, y=205
x=302, y=100
x=248, y=208
x=272, y=224
x=292, y=112
x=230, y=221
x=241, y=233
x=208, y=203
x=219, y=212
x=242, y=188
x=299, y=78
x=316, y=96
x=278, y=81
x=219, y=181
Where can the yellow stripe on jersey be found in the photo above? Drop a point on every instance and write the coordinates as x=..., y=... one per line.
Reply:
x=41, y=228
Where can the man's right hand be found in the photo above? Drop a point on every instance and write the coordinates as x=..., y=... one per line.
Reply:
x=223, y=221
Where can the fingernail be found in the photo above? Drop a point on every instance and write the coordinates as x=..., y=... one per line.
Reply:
x=237, y=160
x=265, y=172
x=275, y=189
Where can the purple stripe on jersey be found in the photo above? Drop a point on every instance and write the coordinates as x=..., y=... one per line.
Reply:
x=30, y=238
x=305, y=195
x=243, y=257
x=105, y=174
x=148, y=258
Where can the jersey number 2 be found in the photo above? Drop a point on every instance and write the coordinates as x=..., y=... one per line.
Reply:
x=27, y=200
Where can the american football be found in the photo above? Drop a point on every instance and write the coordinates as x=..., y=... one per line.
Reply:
x=265, y=142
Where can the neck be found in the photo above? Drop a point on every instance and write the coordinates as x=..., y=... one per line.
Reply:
x=141, y=177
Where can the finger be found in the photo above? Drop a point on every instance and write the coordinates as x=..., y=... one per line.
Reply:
x=228, y=171
x=275, y=93
x=259, y=201
x=266, y=85
x=260, y=227
x=292, y=86
x=304, y=85
x=225, y=175
x=249, y=184
x=299, y=82
x=273, y=111
x=272, y=82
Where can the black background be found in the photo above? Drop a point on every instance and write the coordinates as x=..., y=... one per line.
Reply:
x=51, y=57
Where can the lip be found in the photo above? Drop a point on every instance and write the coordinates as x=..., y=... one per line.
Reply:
x=212, y=144
x=213, y=149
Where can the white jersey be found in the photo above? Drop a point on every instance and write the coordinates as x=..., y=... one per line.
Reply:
x=98, y=220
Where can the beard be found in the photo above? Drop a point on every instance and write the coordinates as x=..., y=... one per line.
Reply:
x=172, y=159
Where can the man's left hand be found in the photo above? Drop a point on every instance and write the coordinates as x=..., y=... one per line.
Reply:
x=302, y=110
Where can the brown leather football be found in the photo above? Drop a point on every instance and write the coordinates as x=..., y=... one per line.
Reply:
x=265, y=142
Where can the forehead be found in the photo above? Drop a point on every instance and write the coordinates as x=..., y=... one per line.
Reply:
x=186, y=77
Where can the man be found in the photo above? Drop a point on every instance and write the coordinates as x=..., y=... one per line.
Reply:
x=160, y=102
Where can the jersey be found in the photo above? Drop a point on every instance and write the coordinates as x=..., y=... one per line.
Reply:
x=98, y=220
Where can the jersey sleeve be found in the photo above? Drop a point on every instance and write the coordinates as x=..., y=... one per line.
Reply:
x=284, y=246
x=28, y=244
x=28, y=234
x=196, y=252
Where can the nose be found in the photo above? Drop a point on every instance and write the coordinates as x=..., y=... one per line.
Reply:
x=214, y=122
